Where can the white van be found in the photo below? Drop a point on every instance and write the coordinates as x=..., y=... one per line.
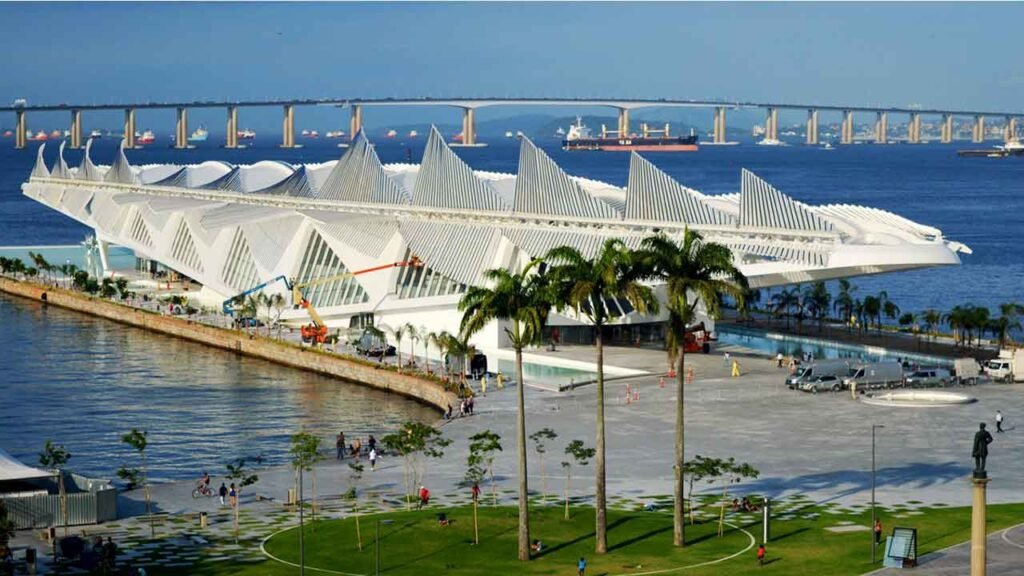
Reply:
x=876, y=375
x=810, y=373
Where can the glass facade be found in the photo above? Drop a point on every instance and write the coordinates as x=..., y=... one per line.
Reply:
x=321, y=265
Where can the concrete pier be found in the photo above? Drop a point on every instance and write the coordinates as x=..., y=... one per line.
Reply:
x=19, y=130
x=946, y=133
x=129, y=127
x=355, y=123
x=914, y=129
x=718, y=134
x=231, y=141
x=623, y=122
x=812, y=127
x=181, y=129
x=288, y=127
x=1010, y=132
x=978, y=133
x=846, y=134
x=76, y=129
x=881, y=128
x=468, y=128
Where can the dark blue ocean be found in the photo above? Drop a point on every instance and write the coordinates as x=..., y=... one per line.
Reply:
x=83, y=381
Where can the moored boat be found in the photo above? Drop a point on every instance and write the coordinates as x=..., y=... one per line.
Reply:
x=147, y=137
x=580, y=137
x=199, y=135
x=246, y=134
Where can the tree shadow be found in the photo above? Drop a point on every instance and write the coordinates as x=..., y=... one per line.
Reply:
x=639, y=538
x=611, y=526
x=776, y=538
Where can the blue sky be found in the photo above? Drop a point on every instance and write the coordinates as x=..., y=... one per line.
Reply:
x=947, y=55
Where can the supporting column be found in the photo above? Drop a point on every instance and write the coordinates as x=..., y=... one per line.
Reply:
x=19, y=132
x=812, y=127
x=881, y=128
x=468, y=128
x=623, y=122
x=232, y=128
x=914, y=128
x=947, y=128
x=181, y=129
x=979, y=541
x=355, y=124
x=104, y=250
x=76, y=129
x=1010, y=132
x=847, y=131
x=288, y=127
x=129, y=127
x=979, y=129
x=718, y=134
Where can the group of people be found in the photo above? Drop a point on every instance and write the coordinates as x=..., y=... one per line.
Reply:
x=355, y=449
x=744, y=505
x=465, y=408
x=105, y=553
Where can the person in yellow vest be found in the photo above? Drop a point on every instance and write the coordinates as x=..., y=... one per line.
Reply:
x=735, y=368
x=501, y=381
x=483, y=385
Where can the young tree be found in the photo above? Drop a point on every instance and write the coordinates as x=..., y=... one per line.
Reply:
x=588, y=286
x=700, y=468
x=55, y=457
x=397, y=334
x=427, y=337
x=238, y=475
x=540, y=439
x=734, y=473
x=694, y=271
x=305, y=453
x=137, y=440
x=483, y=447
x=7, y=530
x=414, y=337
x=355, y=474
x=580, y=455
x=279, y=304
x=523, y=300
x=415, y=441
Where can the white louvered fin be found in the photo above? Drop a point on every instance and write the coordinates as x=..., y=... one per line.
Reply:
x=178, y=179
x=120, y=171
x=39, y=170
x=359, y=177
x=231, y=181
x=296, y=185
x=543, y=188
x=60, y=167
x=761, y=205
x=368, y=235
x=87, y=170
x=537, y=243
x=651, y=194
x=445, y=181
x=458, y=251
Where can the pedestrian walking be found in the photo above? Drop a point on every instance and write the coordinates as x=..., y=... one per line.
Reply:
x=372, y=442
x=223, y=492
x=735, y=369
x=725, y=359
x=339, y=443
x=581, y=566
x=779, y=358
x=878, y=532
x=483, y=385
x=373, y=459
x=475, y=491
x=761, y=553
x=233, y=496
x=501, y=381
x=999, y=421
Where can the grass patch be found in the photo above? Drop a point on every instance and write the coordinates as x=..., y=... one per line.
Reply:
x=639, y=542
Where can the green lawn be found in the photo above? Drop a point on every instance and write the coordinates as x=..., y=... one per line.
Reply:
x=413, y=544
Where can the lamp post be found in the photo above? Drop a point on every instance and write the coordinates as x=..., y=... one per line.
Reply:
x=302, y=544
x=874, y=518
x=376, y=545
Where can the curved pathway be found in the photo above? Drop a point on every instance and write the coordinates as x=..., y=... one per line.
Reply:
x=1005, y=557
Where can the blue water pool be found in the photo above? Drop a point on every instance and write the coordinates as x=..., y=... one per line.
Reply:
x=545, y=375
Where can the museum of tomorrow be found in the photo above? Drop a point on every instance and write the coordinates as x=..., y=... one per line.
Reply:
x=232, y=227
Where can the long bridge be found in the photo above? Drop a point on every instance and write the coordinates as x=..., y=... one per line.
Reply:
x=469, y=105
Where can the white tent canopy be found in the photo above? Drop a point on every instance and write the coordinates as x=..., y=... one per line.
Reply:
x=11, y=469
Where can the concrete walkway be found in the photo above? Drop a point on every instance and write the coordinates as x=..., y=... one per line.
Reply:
x=1005, y=557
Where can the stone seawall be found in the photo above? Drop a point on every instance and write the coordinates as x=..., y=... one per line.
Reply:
x=420, y=389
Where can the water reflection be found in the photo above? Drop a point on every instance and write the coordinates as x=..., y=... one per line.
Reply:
x=83, y=382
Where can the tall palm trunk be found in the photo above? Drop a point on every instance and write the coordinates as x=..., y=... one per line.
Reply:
x=601, y=530
x=524, y=503
x=678, y=519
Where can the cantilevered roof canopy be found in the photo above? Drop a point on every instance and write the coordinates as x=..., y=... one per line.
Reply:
x=12, y=469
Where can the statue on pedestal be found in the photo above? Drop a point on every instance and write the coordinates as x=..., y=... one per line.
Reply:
x=980, y=452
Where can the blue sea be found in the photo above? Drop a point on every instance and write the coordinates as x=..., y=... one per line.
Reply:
x=83, y=381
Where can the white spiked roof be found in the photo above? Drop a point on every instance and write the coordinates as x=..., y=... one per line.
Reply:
x=445, y=181
x=762, y=206
x=651, y=194
x=543, y=188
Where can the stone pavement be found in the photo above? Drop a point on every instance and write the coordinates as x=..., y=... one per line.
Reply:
x=1005, y=557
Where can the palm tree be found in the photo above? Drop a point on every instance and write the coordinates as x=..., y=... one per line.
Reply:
x=414, y=337
x=693, y=271
x=397, y=334
x=428, y=337
x=844, y=302
x=956, y=318
x=1009, y=314
x=873, y=309
x=817, y=300
x=523, y=300
x=931, y=318
x=785, y=301
x=440, y=341
x=891, y=310
x=587, y=285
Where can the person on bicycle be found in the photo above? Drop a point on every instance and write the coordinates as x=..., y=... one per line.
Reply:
x=203, y=485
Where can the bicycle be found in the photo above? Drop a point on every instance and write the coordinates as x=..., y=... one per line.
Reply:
x=202, y=490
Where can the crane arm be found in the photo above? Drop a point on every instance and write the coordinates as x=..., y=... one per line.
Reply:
x=298, y=299
x=229, y=309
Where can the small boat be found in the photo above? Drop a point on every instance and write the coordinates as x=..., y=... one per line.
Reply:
x=246, y=134
x=509, y=134
x=57, y=134
x=40, y=136
x=560, y=132
x=8, y=133
x=413, y=134
x=96, y=134
x=458, y=137
x=199, y=135
x=336, y=134
x=770, y=142
x=310, y=134
x=147, y=137
x=391, y=134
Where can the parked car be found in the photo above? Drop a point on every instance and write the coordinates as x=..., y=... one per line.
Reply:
x=829, y=383
x=876, y=375
x=928, y=378
x=810, y=373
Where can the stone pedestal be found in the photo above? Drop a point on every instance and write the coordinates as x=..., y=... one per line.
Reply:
x=979, y=488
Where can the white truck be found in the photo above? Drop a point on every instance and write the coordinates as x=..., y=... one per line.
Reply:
x=966, y=371
x=875, y=375
x=1008, y=367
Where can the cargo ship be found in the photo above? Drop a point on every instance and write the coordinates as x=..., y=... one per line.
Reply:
x=147, y=137
x=650, y=140
x=246, y=134
x=199, y=135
